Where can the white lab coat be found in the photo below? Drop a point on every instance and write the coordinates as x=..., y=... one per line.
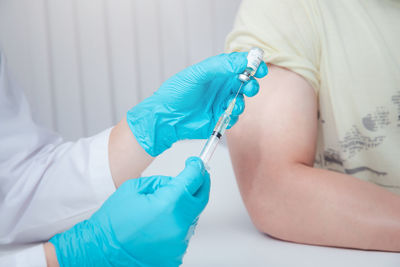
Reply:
x=46, y=185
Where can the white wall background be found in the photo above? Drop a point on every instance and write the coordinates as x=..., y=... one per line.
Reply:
x=84, y=63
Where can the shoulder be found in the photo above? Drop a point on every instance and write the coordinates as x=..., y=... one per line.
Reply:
x=287, y=31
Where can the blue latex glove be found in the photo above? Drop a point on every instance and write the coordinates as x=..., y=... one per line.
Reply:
x=146, y=222
x=188, y=105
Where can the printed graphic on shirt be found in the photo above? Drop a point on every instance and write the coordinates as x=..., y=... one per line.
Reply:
x=364, y=168
x=377, y=120
x=369, y=134
x=354, y=141
x=332, y=157
x=396, y=101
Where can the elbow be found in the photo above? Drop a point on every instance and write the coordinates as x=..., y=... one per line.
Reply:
x=270, y=226
x=270, y=205
x=267, y=221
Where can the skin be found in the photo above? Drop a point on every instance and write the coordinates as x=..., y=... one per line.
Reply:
x=123, y=150
x=285, y=196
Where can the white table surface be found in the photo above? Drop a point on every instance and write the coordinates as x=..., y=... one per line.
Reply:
x=225, y=235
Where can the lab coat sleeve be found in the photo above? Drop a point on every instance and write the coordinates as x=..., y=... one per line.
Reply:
x=46, y=185
x=28, y=257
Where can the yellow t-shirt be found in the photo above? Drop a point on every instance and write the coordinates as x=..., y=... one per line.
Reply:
x=349, y=51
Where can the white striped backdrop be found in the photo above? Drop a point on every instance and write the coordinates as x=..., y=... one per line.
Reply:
x=84, y=63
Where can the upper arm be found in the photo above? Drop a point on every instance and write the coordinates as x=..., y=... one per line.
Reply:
x=277, y=129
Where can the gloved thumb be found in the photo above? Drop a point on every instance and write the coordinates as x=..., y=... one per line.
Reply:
x=148, y=185
x=194, y=175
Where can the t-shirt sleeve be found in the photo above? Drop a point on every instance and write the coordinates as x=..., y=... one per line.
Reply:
x=287, y=31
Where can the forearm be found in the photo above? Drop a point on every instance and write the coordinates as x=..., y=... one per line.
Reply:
x=126, y=157
x=51, y=257
x=321, y=207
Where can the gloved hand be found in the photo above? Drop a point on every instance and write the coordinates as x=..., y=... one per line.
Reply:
x=188, y=105
x=146, y=222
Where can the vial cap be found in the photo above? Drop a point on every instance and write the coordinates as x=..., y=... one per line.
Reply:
x=254, y=58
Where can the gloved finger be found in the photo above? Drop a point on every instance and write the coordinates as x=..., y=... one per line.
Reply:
x=237, y=61
x=193, y=176
x=223, y=64
x=233, y=121
x=239, y=105
x=147, y=185
x=203, y=193
x=251, y=88
x=262, y=70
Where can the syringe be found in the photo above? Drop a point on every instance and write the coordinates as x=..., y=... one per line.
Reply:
x=253, y=62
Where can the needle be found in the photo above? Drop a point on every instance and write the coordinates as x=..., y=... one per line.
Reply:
x=237, y=93
x=228, y=111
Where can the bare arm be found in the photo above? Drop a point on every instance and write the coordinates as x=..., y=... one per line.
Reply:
x=51, y=256
x=285, y=196
x=126, y=157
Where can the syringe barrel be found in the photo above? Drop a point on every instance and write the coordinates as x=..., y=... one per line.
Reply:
x=222, y=124
x=209, y=149
x=212, y=142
